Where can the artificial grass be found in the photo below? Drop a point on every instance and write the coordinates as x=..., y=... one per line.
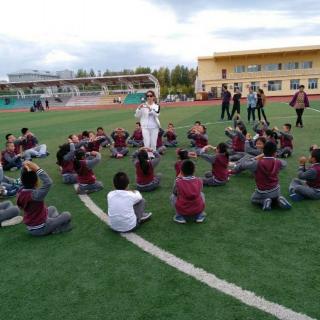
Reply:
x=276, y=255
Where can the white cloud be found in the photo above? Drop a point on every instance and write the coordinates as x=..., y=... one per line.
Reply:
x=58, y=56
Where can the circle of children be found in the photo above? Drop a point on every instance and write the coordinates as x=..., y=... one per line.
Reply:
x=259, y=154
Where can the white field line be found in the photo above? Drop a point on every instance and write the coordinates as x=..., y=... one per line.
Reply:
x=247, y=297
x=314, y=109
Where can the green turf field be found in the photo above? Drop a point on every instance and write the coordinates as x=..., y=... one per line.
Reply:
x=93, y=273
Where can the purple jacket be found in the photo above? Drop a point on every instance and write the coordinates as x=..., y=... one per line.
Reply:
x=294, y=100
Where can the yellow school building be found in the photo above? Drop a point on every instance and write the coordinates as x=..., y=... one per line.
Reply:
x=279, y=72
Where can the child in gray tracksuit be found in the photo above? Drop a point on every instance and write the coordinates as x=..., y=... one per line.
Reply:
x=308, y=183
x=8, y=211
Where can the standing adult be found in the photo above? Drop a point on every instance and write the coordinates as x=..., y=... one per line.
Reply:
x=47, y=104
x=226, y=97
x=300, y=101
x=261, y=102
x=236, y=103
x=148, y=115
x=252, y=104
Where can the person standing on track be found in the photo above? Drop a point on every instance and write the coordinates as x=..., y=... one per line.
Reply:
x=299, y=101
x=226, y=97
x=261, y=102
x=148, y=115
x=236, y=103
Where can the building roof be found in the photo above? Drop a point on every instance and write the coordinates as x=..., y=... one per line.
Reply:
x=143, y=79
x=32, y=71
x=218, y=55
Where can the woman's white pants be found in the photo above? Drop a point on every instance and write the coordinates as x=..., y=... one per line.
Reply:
x=150, y=137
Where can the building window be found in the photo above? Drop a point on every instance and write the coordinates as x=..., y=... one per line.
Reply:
x=275, y=85
x=313, y=84
x=273, y=67
x=239, y=69
x=291, y=66
x=294, y=84
x=254, y=68
x=237, y=85
x=255, y=85
x=306, y=65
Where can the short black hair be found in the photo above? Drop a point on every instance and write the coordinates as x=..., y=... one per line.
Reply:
x=224, y=87
x=316, y=154
x=29, y=179
x=197, y=122
x=262, y=139
x=24, y=130
x=138, y=123
x=301, y=86
x=99, y=128
x=85, y=133
x=121, y=181
x=288, y=125
x=188, y=168
x=8, y=135
x=269, y=149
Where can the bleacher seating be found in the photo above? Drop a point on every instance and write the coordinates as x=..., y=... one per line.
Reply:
x=81, y=101
x=134, y=98
x=109, y=99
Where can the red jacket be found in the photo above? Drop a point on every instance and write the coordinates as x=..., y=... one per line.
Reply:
x=85, y=174
x=189, y=201
x=142, y=178
x=220, y=167
x=315, y=183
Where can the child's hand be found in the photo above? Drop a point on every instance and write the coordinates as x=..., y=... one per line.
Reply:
x=259, y=157
x=248, y=136
x=31, y=166
x=303, y=160
x=69, y=140
x=93, y=153
x=275, y=129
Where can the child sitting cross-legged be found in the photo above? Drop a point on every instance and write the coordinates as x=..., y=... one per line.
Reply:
x=307, y=186
x=126, y=208
x=39, y=219
x=187, y=197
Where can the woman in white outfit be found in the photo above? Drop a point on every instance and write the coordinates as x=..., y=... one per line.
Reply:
x=148, y=115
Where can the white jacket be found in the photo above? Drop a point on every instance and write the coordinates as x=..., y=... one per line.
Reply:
x=149, y=118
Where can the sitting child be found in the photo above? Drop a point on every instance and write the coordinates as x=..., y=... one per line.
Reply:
x=65, y=160
x=183, y=154
x=9, y=214
x=145, y=178
x=126, y=208
x=103, y=137
x=8, y=186
x=30, y=146
x=136, y=139
x=307, y=186
x=260, y=128
x=39, y=219
x=266, y=170
x=11, y=138
x=10, y=160
x=83, y=167
x=200, y=138
x=238, y=138
x=171, y=136
x=187, y=197
x=160, y=146
x=119, y=149
x=286, y=141
x=193, y=129
x=219, y=174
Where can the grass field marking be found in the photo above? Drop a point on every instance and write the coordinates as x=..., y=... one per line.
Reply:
x=314, y=109
x=247, y=297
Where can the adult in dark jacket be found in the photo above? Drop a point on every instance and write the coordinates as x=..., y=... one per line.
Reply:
x=299, y=101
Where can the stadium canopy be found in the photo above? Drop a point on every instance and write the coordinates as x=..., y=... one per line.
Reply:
x=132, y=82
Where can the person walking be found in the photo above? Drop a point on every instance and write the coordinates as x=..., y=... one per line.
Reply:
x=299, y=101
x=226, y=97
x=148, y=115
x=236, y=103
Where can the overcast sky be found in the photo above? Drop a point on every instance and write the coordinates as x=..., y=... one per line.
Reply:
x=100, y=34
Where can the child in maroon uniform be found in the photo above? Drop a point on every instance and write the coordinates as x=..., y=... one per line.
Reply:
x=119, y=149
x=65, y=160
x=103, y=137
x=160, y=147
x=30, y=146
x=136, y=139
x=10, y=160
x=199, y=137
x=171, y=136
x=11, y=138
x=39, y=219
x=307, y=186
x=286, y=141
x=145, y=178
x=187, y=197
x=83, y=167
x=266, y=170
x=238, y=138
x=190, y=132
x=219, y=175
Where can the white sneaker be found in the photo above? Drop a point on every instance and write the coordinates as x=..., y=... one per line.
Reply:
x=11, y=222
x=145, y=216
